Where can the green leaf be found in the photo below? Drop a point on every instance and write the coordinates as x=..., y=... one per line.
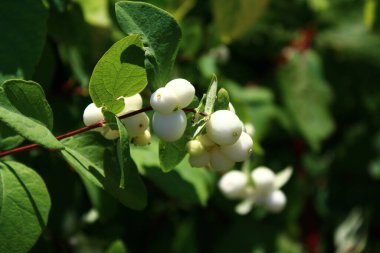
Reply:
x=222, y=100
x=233, y=19
x=28, y=98
x=24, y=125
x=119, y=73
x=130, y=178
x=9, y=138
x=211, y=96
x=23, y=25
x=117, y=247
x=184, y=183
x=160, y=34
x=97, y=159
x=307, y=96
x=24, y=207
x=369, y=13
x=172, y=153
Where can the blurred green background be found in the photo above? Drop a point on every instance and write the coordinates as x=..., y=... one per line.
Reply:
x=305, y=73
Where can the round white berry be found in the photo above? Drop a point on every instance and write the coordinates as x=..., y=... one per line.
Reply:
x=169, y=127
x=263, y=179
x=206, y=142
x=163, y=101
x=142, y=139
x=92, y=114
x=240, y=150
x=219, y=161
x=224, y=127
x=233, y=184
x=201, y=160
x=136, y=125
x=195, y=147
x=276, y=201
x=132, y=103
x=184, y=91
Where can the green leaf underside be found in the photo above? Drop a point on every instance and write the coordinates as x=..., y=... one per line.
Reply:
x=119, y=73
x=96, y=159
x=184, y=183
x=172, y=153
x=25, y=126
x=23, y=37
x=211, y=95
x=29, y=98
x=160, y=34
x=24, y=207
x=9, y=138
x=307, y=96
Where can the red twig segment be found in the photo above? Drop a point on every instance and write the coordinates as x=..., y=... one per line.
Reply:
x=84, y=129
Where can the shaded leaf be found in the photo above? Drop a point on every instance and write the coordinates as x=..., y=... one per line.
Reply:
x=184, y=183
x=24, y=207
x=23, y=25
x=307, y=96
x=234, y=19
x=96, y=159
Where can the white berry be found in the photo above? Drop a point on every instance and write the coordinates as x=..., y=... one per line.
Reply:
x=263, y=179
x=240, y=150
x=164, y=101
x=92, y=114
x=201, y=160
x=224, y=127
x=233, y=184
x=219, y=161
x=142, y=139
x=184, y=91
x=169, y=127
x=136, y=125
x=132, y=103
x=206, y=142
x=195, y=147
x=276, y=201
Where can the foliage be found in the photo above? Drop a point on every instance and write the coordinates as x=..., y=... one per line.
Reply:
x=304, y=73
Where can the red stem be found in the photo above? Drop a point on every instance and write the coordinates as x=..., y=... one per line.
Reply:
x=84, y=129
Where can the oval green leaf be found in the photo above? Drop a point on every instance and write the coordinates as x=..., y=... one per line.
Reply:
x=24, y=207
x=119, y=73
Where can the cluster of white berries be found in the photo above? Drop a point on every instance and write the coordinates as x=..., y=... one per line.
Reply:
x=169, y=121
x=261, y=187
x=224, y=143
x=137, y=125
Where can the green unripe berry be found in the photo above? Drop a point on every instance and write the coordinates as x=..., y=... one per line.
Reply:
x=195, y=148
